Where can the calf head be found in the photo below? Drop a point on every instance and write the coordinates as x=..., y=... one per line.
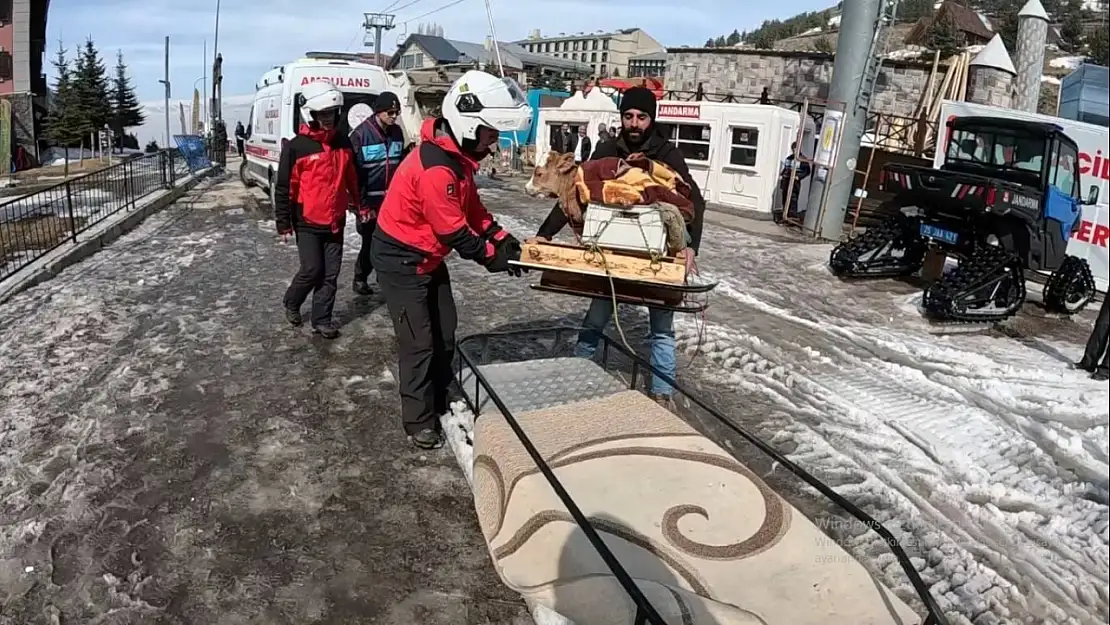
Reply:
x=556, y=178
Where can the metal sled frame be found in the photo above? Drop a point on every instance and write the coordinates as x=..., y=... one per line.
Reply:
x=646, y=614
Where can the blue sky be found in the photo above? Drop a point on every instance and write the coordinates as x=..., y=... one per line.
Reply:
x=255, y=35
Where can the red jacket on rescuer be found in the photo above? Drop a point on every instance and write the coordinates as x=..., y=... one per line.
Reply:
x=316, y=181
x=433, y=207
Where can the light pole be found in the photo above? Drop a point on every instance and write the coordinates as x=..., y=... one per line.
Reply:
x=166, y=82
x=214, y=109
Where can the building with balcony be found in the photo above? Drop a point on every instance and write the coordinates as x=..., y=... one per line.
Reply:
x=651, y=65
x=607, y=53
x=429, y=51
x=22, y=81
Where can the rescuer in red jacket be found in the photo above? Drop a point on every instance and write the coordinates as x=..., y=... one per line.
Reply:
x=316, y=183
x=431, y=208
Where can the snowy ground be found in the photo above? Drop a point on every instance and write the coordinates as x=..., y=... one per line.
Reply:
x=169, y=449
x=88, y=200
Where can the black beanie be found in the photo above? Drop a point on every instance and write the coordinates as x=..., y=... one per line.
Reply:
x=387, y=101
x=639, y=98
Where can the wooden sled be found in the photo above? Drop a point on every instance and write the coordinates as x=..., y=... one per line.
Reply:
x=633, y=278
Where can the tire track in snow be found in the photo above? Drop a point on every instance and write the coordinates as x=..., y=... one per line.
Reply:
x=968, y=443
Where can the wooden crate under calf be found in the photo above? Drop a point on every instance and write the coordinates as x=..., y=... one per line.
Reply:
x=574, y=270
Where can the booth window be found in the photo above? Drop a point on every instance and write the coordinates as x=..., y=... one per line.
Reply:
x=744, y=146
x=691, y=139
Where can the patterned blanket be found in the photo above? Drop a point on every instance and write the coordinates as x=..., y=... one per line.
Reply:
x=707, y=541
x=633, y=182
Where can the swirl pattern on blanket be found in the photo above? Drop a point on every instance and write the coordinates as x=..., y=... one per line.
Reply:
x=699, y=532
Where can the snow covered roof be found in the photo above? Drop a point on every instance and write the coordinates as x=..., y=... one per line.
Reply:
x=994, y=55
x=1033, y=8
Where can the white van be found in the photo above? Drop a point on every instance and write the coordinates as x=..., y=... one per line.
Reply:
x=276, y=115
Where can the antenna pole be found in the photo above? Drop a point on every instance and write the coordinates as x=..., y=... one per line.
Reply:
x=376, y=22
x=493, y=33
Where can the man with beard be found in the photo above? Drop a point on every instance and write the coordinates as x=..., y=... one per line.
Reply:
x=638, y=135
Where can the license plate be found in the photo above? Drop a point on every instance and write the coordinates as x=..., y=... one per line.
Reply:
x=933, y=232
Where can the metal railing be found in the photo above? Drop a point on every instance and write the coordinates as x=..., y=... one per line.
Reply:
x=478, y=350
x=37, y=223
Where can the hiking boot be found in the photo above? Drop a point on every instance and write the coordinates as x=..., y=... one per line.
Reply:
x=664, y=401
x=361, y=287
x=1101, y=374
x=428, y=438
x=1083, y=365
x=327, y=331
x=293, y=316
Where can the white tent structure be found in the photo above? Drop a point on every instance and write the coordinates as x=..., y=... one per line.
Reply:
x=591, y=109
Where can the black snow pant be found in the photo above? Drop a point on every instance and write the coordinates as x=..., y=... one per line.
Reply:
x=321, y=257
x=424, y=320
x=363, y=264
x=1098, y=343
x=239, y=147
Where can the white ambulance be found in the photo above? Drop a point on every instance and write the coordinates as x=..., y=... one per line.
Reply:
x=1089, y=237
x=275, y=114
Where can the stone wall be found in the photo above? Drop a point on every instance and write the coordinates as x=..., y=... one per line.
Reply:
x=789, y=76
x=990, y=86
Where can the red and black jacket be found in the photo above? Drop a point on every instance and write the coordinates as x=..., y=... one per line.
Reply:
x=433, y=207
x=316, y=181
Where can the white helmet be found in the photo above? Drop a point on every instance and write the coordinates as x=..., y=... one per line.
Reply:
x=319, y=95
x=481, y=99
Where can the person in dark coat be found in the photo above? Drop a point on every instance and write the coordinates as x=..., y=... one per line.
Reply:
x=603, y=134
x=240, y=137
x=565, y=140
x=379, y=146
x=639, y=134
x=801, y=171
x=1097, y=346
x=582, y=147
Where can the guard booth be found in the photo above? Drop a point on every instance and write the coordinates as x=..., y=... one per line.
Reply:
x=736, y=151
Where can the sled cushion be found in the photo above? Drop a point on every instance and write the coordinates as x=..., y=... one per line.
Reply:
x=706, y=539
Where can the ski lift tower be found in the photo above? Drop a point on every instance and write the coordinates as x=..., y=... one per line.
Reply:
x=864, y=26
x=374, y=24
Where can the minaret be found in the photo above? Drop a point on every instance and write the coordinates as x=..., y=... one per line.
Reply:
x=1032, y=38
x=990, y=76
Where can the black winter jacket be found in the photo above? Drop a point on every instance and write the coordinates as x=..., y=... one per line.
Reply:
x=657, y=148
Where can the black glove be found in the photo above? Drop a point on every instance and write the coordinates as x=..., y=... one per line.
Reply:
x=505, y=250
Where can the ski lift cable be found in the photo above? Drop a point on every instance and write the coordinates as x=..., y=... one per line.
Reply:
x=433, y=11
x=396, y=9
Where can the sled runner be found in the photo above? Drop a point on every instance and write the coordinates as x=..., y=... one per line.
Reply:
x=603, y=506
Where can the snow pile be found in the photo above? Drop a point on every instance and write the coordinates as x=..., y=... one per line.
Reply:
x=458, y=429
x=56, y=156
x=1052, y=80
x=1066, y=62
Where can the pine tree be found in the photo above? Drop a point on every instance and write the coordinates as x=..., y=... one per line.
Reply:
x=719, y=42
x=1098, y=47
x=65, y=123
x=733, y=39
x=1071, y=30
x=90, y=81
x=709, y=42
x=126, y=111
x=945, y=36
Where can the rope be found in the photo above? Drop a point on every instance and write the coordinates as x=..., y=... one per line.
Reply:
x=593, y=253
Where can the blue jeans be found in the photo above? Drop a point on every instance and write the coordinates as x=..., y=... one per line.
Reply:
x=660, y=337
